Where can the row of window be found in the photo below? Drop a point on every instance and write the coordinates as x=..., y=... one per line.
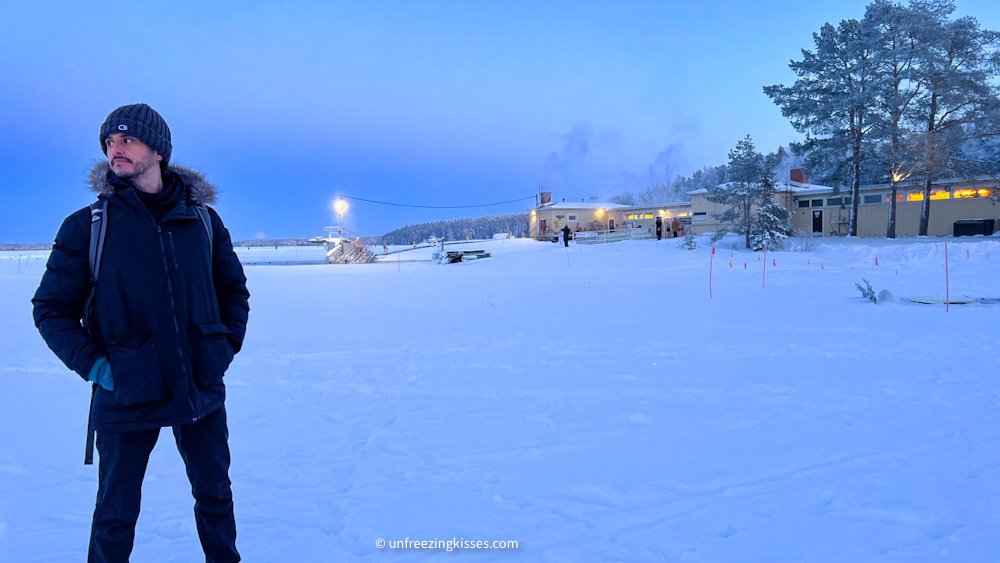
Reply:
x=634, y=216
x=630, y=216
x=868, y=199
x=837, y=201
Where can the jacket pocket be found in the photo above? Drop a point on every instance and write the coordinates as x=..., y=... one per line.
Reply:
x=135, y=371
x=212, y=353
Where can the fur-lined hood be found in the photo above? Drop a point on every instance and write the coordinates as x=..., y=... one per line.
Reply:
x=199, y=189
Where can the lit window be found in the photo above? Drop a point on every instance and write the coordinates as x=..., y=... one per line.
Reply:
x=935, y=194
x=971, y=192
x=647, y=216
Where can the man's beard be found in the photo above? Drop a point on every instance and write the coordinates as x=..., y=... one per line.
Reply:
x=139, y=168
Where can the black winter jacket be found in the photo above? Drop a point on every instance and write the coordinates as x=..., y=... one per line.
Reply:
x=168, y=311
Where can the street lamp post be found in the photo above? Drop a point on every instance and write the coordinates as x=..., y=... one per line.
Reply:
x=340, y=206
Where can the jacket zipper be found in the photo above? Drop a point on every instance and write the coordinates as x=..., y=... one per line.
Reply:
x=189, y=378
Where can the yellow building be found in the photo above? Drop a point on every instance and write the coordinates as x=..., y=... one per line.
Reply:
x=825, y=211
x=704, y=212
x=546, y=221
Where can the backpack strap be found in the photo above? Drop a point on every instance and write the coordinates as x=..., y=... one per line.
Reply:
x=98, y=231
x=88, y=453
x=206, y=221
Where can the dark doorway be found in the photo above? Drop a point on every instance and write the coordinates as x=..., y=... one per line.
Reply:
x=818, y=221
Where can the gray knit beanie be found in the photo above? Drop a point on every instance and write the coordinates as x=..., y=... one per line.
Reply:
x=143, y=123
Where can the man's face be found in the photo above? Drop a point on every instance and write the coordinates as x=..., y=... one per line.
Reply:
x=129, y=157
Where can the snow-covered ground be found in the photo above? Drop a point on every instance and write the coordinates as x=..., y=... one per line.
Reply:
x=591, y=403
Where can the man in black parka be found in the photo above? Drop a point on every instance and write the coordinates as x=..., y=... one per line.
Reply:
x=156, y=332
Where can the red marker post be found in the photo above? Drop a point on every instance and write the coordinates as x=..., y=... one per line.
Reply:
x=763, y=275
x=711, y=263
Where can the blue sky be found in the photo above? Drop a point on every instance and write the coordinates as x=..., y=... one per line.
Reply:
x=285, y=105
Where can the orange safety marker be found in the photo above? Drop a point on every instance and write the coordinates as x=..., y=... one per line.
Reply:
x=763, y=275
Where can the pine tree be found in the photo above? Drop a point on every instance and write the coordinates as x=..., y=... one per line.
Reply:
x=750, y=193
x=689, y=241
x=960, y=67
x=772, y=224
x=903, y=91
x=896, y=36
x=831, y=100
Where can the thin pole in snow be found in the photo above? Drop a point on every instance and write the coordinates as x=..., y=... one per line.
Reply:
x=711, y=263
x=947, y=289
x=763, y=276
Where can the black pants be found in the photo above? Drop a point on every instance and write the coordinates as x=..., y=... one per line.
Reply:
x=204, y=447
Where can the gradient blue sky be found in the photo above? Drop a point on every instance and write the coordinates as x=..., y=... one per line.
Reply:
x=284, y=105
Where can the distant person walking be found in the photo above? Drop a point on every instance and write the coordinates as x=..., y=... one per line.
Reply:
x=153, y=319
x=566, y=232
x=659, y=228
x=675, y=226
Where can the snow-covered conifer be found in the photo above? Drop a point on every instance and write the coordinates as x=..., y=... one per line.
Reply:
x=750, y=195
